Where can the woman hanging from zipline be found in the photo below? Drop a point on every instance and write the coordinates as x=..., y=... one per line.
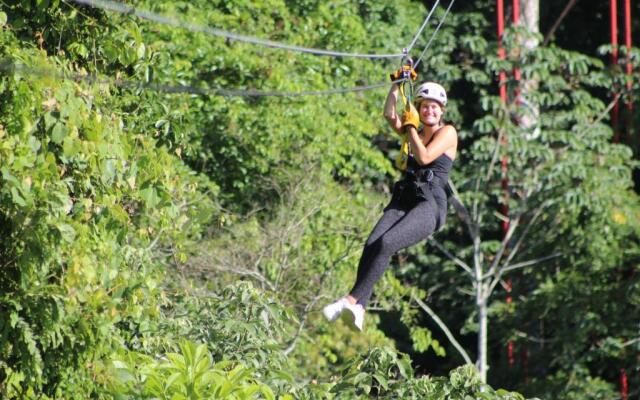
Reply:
x=418, y=204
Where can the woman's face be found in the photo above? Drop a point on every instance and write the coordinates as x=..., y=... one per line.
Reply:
x=430, y=112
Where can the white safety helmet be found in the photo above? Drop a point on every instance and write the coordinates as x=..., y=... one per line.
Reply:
x=431, y=91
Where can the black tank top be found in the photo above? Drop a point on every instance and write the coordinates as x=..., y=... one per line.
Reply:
x=440, y=168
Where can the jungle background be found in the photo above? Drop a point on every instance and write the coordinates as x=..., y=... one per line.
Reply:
x=181, y=245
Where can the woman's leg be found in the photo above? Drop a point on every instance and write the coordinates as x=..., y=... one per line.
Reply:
x=416, y=225
x=392, y=214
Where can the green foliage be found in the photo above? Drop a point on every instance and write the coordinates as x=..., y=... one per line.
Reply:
x=570, y=191
x=133, y=220
x=247, y=359
x=87, y=212
x=243, y=324
x=384, y=374
x=190, y=374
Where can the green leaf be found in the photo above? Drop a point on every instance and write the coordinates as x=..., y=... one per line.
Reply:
x=13, y=319
x=70, y=147
x=17, y=198
x=58, y=133
x=66, y=231
x=79, y=49
x=150, y=196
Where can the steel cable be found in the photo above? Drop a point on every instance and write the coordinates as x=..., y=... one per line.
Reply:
x=147, y=15
x=434, y=34
x=424, y=24
x=8, y=65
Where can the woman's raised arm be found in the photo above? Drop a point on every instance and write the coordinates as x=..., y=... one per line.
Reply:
x=390, y=113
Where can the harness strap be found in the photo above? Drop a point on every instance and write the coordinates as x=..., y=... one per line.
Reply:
x=417, y=186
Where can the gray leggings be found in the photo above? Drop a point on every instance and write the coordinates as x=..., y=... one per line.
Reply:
x=397, y=229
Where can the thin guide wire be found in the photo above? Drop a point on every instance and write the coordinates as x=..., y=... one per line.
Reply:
x=9, y=66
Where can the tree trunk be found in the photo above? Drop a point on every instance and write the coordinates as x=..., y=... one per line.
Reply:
x=530, y=19
x=483, y=333
x=530, y=15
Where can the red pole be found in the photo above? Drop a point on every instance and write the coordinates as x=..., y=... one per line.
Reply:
x=614, y=32
x=624, y=389
x=516, y=22
x=627, y=27
x=614, y=61
x=511, y=359
x=505, y=181
x=503, y=97
x=501, y=52
x=624, y=385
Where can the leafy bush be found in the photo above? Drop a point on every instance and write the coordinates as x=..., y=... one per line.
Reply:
x=89, y=213
x=190, y=374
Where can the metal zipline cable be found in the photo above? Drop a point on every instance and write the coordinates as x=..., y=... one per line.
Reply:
x=150, y=16
x=434, y=34
x=424, y=24
x=9, y=66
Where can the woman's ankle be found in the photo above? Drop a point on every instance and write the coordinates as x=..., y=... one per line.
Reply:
x=352, y=300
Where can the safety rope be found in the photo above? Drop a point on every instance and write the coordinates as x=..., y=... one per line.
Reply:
x=403, y=155
x=150, y=16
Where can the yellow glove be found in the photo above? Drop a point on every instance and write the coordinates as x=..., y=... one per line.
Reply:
x=410, y=117
x=399, y=73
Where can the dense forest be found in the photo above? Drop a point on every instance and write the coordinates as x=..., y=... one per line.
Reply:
x=177, y=205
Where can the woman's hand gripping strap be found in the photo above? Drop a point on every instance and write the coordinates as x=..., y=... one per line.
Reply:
x=410, y=115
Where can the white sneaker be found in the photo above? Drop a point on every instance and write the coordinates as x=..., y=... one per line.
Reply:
x=355, y=317
x=333, y=310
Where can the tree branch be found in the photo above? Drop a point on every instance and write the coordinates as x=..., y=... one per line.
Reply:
x=523, y=264
x=529, y=263
x=515, y=249
x=513, y=224
x=604, y=113
x=462, y=211
x=155, y=241
x=534, y=339
x=630, y=342
x=444, y=328
x=556, y=24
x=494, y=158
x=453, y=258
x=246, y=272
x=305, y=313
x=327, y=272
